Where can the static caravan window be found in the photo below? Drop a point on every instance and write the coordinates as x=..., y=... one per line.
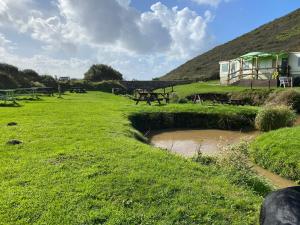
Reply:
x=233, y=67
x=224, y=67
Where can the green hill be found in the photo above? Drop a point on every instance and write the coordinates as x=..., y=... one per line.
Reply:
x=280, y=34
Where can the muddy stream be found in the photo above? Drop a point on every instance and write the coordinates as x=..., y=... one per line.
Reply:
x=210, y=142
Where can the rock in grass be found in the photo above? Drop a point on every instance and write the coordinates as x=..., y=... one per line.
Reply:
x=12, y=124
x=14, y=142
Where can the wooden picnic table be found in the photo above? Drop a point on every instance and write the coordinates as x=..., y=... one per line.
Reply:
x=151, y=97
x=7, y=95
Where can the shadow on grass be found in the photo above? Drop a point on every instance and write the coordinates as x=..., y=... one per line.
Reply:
x=10, y=104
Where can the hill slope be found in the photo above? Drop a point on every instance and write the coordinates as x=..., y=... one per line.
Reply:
x=280, y=34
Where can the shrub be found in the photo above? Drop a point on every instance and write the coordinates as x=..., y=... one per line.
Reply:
x=102, y=72
x=290, y=98
x=48, y=81
x=174, y=98
x=182, y=100
x=271, y=118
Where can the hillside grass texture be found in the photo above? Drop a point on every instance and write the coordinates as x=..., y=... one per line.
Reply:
x=79, y=163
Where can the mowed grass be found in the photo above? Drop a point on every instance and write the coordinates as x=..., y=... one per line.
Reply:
x=204, y=87
x=279, y=151
x=79, y=164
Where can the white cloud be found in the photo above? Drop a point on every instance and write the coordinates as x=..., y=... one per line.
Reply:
x=138, y=44
x=213, y=3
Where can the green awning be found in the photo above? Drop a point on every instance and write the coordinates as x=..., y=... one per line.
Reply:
x=252, y=55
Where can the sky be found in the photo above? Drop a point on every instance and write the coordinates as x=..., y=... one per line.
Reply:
x=142, y=39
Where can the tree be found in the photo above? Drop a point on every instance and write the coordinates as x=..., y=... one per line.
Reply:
x=101, y=72
x=48, y=81
x=31, y=75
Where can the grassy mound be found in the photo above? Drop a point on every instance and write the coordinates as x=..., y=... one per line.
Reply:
x=79, y=163
x=279, y=152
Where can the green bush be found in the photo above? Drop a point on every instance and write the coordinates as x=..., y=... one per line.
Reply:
x=174, y=98
x=272, y=118
x=101, y=72
x=183, y=100
x=290, y=98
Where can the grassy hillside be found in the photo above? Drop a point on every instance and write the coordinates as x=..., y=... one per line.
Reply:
x=280, y=34
x=80, y=164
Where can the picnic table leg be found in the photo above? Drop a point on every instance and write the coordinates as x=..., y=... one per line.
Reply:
x=158, y=100
x=148, y=100
x=137, y=101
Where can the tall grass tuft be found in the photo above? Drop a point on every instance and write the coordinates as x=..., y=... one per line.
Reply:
x=272, y=118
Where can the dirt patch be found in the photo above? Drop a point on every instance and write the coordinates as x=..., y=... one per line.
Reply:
x=10, y=124
x=14, y=142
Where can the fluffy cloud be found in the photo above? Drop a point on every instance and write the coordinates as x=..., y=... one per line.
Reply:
x=139, y=44
x=213, y=3
x=173, y=31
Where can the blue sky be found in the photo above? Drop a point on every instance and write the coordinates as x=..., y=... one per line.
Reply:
x=140, y=38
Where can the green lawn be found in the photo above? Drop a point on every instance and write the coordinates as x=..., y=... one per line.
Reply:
x=204, y=87
x=79, y=164
x=279, y=151
x=212, y=87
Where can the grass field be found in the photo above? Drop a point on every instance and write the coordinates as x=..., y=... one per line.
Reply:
x=279, y=152
x=79, y=164
x=204, y=87
x=213, y=87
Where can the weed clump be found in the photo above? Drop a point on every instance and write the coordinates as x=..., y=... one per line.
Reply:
x=272, y=118
x=183, y=100
x=237, y=167
x=204, y=159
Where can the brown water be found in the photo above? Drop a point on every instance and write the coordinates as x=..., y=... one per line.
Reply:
x=189, y=142
x=210, y=142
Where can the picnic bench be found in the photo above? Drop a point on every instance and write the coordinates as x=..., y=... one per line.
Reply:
x=77, y=90
x=149, y=96
x=45, y=90
x=29, y=92
x=7, y=96
x=12, y=95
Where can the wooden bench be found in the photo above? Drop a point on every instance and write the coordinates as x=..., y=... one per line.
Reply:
x=77, y=90
x=143, y=95
x=7, y=96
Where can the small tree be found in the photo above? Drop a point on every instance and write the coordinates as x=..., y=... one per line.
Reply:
x=31, y=75
x=48, y=81
x=101, y=72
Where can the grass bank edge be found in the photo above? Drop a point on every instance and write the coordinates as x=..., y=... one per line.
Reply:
x=279, y=152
